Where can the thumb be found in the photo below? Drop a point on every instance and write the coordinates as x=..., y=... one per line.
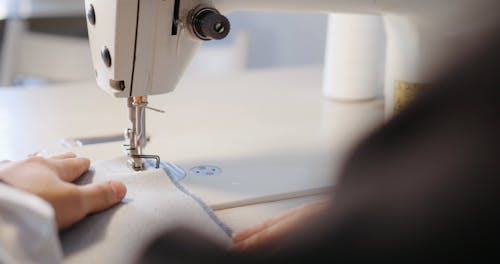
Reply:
x=101, y=196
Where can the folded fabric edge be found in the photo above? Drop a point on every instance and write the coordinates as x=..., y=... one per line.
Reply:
x=205, y=207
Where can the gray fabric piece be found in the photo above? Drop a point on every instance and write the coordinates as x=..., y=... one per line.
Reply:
x=154, y=204
x=205, y=207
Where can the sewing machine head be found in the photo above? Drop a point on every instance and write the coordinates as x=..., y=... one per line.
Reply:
x=141, y=48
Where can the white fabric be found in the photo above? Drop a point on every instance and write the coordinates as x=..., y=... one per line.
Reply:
x=153, y=204
x=28, y=233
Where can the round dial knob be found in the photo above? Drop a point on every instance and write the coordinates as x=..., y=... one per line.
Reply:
x=209, y=24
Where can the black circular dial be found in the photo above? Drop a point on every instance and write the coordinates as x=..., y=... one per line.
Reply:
x=209, y=24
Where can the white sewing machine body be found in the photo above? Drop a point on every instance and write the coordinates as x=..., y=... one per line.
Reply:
x=150, y=42
x=146, y=57
x=142, y=47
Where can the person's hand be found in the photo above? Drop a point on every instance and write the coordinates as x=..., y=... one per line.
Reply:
x=50, y=179
x=269, y=235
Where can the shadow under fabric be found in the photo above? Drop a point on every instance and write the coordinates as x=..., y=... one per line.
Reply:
x=154, y=203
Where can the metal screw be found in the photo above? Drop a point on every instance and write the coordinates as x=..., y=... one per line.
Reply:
x=91, y=15
x=106, y=57
x=206, y=170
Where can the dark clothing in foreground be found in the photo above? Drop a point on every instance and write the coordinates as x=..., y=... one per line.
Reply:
x=426, y=186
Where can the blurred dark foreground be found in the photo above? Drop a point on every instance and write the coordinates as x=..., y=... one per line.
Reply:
x=424, y=187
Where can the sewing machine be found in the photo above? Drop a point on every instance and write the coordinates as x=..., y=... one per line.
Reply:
x=142, y=47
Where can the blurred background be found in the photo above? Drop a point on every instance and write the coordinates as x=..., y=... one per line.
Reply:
x=46, y=41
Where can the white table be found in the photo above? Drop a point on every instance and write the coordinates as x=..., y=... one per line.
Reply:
x=277, y=140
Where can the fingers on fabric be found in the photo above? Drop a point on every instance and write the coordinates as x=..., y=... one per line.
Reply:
x=83, y=200
x=68, y=204
x=297, y=210
x=100, y=196
x=71, y=169
x=68, y=169
x=270, y=232
x=245, y=234
x=268, y=238
x=68, y=155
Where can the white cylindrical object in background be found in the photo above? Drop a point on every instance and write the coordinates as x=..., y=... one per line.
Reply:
x=355, y=57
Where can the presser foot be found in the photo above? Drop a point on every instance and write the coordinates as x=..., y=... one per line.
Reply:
x=137, y=161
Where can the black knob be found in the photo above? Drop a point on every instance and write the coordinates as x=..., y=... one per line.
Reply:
x=209, y=24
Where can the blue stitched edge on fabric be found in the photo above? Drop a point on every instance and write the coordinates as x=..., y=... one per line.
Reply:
x=202, y=204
